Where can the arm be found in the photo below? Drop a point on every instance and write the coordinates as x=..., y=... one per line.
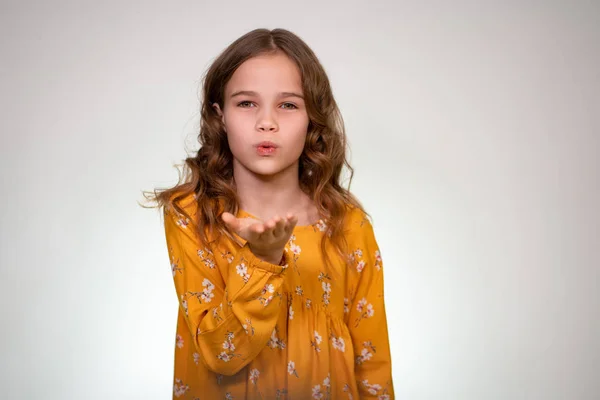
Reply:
x=367, y=320
x=231, y=321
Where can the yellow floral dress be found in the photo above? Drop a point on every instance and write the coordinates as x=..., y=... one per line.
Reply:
x=249, y=329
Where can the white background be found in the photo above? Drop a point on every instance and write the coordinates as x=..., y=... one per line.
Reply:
x=474, y=129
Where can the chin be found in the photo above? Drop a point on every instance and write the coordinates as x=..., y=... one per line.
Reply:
x=266, y=172
x=266, y=169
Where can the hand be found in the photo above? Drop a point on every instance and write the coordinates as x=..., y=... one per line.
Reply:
x=265, y=239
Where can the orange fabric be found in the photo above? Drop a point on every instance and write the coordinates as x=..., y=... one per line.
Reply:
x=248, y=329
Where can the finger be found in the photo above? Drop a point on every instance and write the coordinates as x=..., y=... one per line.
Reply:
x=259, y=228
x=291, y=217
x=247, y=228
x=231, y=221
x=279, y=228
x=246, y=222
x=270, y=224
x=251, y=230
x=292, y=220
x=256, y=231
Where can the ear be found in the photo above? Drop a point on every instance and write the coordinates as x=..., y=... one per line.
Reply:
x=220, y=113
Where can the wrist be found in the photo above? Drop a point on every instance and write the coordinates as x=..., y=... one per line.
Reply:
x=276, y=258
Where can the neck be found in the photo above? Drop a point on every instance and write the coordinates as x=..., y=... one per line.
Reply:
x=268, y=195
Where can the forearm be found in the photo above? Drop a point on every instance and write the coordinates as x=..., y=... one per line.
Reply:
x=234, y=333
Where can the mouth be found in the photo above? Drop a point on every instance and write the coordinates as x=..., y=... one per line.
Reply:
x=266, y=148
x=267, y=144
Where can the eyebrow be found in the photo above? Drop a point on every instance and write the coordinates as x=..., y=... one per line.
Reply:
x=252, y=93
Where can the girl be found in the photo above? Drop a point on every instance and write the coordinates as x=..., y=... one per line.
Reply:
x=275, y=264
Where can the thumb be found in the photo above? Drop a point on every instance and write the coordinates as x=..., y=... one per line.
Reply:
x=231, y=221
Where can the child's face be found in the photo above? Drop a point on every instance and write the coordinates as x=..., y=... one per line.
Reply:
x=265, y=115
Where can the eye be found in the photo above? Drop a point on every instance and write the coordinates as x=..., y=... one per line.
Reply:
x=244, y=103
x=293, y=106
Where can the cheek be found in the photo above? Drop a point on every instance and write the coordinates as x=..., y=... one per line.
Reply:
x=236, y=129
x=237, y=143
x=231, y=122
x=302, y=132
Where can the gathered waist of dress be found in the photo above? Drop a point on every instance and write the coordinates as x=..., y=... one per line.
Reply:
x=298, y=302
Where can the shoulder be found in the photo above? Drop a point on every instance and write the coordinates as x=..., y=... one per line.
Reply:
x=358, y=230
x=363, y=248
x=183, y=213
x=357, y=222
x=182, y=205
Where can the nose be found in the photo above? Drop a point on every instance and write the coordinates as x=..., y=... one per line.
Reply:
x=266, y=128
x=266, y=122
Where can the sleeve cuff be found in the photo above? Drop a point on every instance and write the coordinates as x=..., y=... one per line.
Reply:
x=264, y=265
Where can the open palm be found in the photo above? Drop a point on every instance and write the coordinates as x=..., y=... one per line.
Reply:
x=266, y=239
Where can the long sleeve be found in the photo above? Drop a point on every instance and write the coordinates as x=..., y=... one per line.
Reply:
x=367, y=320
x=230, y=316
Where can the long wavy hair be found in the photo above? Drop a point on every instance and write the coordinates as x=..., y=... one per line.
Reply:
x=209, y=173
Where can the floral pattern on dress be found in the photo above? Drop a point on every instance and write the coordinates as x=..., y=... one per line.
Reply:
x=267, y=294
x=248, y=328
x=292, y=369
x=365, y=309
x=326, y=286
x=242, y=271
x=275, y=342
x=179, y=388
x=316, y=341
x=228, y=346
x=338, y=343
x=231, y=326
x=254, y=373
x=296, y=250
x=207, y=257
